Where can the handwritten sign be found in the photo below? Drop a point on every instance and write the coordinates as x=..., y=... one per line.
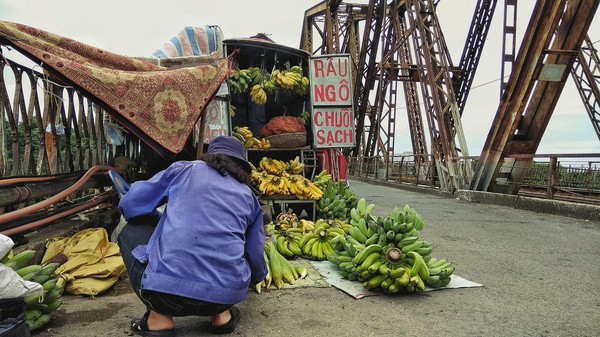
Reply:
x=216, y=113
x=217, y=120
x=332, y=101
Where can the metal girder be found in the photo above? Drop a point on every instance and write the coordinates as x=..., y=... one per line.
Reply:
x=478, y=31
x=551, y=44
x=433, y=60
x=411, y=95
x=366, y=69
x=586, y=73
x=509, y=42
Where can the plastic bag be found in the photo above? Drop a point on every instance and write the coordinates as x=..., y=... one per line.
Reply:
x=14, y=286
x=6, y=245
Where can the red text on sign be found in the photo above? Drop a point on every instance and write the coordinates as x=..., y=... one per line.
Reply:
x=331, y=137
x=331, y=93
x=327, y=68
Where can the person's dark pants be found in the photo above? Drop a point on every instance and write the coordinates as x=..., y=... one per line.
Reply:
x=137, y=233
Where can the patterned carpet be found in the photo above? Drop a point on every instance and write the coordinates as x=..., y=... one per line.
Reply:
x=157, y=104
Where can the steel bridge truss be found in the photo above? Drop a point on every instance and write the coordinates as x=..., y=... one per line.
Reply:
x=402, y=42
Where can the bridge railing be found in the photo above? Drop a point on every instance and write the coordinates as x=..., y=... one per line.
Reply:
x=568, y=176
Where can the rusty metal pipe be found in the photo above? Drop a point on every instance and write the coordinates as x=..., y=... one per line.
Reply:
x=36, y=224
x=11, y=216
x=17, y=194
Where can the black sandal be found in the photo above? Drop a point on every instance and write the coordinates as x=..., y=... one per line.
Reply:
x=139, y=326
x=229, y=327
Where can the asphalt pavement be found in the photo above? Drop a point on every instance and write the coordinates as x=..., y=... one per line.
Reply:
x=539, y=273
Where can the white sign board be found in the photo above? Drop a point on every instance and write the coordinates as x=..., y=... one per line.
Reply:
x=332, y=101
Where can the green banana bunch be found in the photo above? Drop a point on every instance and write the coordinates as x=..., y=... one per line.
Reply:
x=240, y=80
x=318, y=243
x=266, y=283
x=287, y=242
x=334, y=203
x=21, y=259
x=440, y=272
x=38, y=307
x=322, y=179
x=280, y=268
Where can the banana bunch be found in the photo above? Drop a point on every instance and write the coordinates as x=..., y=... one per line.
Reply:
x=404, y=236
x=283, y=221
x=322, y=179
x=317, y=244
x=280, y=269
x=286, y=80
x=287, y=219
x=258, y=95
x=38, y=308
x=408, y=215
x=301, y=87
x=272, y=178
x=240, y=80
x=19, y=260
x=334, y=223
x=440, y=272
x=257, y=176
x=306, y=190
x=306, y=225
x=294, y=166
x=288, y=242
x=336, y=202
x=258, y=75
x=291, y=81
x=388, y=254
x=270, y=87
x=274, y=185
x=244, y=135
x=272, y=166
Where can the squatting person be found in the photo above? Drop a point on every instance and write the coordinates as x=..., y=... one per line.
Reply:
x=199, y=257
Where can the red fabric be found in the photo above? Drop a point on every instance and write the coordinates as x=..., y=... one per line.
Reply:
x=159, y=105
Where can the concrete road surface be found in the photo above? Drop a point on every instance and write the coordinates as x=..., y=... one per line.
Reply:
x=540, y=275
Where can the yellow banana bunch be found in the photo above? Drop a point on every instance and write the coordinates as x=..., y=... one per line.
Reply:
x=244, y=135
x=275, y=185
x=287, y=80
x=306, y=225
x=294, y=166
x=310, y=190
x=273, y=166
x=262, y=143
x=258, y=94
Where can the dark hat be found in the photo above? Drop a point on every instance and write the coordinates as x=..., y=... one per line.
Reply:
x=229, y=146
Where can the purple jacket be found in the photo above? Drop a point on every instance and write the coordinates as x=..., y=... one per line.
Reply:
x=209, y=242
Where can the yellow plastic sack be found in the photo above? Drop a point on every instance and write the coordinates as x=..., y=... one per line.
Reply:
x=93, y=264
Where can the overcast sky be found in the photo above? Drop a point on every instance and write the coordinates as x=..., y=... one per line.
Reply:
x=139, y=27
